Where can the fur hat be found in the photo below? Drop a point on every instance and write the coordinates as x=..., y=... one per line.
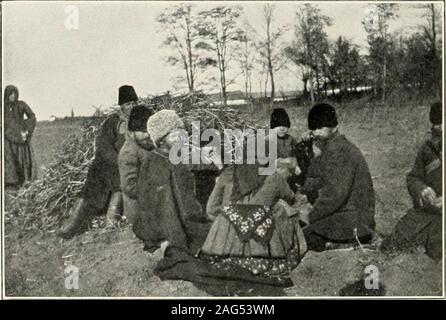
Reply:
x=279, y=118
x=138, y=118
x=435, y=114
x=322, y=115
x=127, y=94
x=162, y=123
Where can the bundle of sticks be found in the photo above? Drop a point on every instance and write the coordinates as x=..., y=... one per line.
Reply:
x=44, y=204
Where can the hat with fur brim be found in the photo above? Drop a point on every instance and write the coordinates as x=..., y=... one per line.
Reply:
x=162, y=123
x=322, y=115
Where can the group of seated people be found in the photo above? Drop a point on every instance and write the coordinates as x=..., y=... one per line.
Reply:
x=250, y=220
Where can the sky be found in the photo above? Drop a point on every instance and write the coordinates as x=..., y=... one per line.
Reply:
x=58, y=69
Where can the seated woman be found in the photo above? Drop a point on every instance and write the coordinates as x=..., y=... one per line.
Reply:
x=254, y=226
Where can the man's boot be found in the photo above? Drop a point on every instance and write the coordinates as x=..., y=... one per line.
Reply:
x=78, y=217
x=115, y=209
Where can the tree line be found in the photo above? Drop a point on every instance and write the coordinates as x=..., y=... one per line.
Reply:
x=221, y=38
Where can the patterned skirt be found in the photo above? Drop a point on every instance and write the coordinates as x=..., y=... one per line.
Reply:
x=283, y=250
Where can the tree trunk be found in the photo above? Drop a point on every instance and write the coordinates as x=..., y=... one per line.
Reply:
x=383, y=97
x=311, y=87
x=318, y=89
x=189, y=53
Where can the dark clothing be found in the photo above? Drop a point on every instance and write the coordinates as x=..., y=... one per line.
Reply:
x=287, y=147
x=103, y=173
x=318, y=243
x=168, y=209
x=421, y=226
x=19, y=157
x=418, y=228
x=427, y=171
x=131, y=157
x=229, y=281
x=346, y=199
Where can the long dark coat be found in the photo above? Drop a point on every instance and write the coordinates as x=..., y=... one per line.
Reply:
x=168, y=208
x=132, y=155
x=19, y=157
x=103, y=173
x=346, y=199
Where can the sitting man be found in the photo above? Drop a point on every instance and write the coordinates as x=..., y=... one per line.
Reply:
x=344, y=206
x=422, y=225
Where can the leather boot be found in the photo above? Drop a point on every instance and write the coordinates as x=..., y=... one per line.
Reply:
x=115, y=208
x=78, y=218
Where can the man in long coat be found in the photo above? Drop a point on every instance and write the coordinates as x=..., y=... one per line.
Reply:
x=102, y=189
x=344, y=207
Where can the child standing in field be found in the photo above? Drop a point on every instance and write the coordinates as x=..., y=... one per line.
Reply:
x=133, y=153
x=422, y=225
x=288, y=147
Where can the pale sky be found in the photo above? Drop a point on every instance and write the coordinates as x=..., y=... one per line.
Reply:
x=118, y=43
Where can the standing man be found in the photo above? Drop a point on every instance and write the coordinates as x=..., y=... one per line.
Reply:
x=102, y=191
x=344, y=207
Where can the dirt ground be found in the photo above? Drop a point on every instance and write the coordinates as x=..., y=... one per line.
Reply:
x=112, y=263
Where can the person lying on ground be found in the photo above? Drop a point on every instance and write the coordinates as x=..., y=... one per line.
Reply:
x=101, y=192
x=422, y=225
x=340, y=182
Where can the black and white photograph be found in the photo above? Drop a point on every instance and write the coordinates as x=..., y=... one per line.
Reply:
x=222, y=149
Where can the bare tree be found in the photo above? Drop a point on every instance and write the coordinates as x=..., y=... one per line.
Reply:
x=268, y=45
x=376, y=23
x=218, y=28
x=431, y=29
x=310, y=44
x=245, y=56
x=178, y=22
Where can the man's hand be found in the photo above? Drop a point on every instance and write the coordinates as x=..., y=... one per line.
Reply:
x=212, y=156
x=25, y=135
x=307, y=135
x=291, y=211
x=316, y=150
x=439, y=204
x=429, y=197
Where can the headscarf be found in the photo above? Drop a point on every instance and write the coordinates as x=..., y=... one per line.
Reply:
x=10, y=89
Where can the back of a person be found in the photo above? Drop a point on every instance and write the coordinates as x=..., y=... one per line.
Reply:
x=269, y=193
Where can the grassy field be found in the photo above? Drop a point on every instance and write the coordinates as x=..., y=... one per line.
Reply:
x=387, y=135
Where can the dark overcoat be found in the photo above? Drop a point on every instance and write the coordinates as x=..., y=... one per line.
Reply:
x=167, y=205
x=345, y=196
x=103, y=173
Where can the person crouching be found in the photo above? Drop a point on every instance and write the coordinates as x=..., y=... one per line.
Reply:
x=165, y=192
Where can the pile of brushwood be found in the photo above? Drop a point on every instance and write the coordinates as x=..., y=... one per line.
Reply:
x=44, y=204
